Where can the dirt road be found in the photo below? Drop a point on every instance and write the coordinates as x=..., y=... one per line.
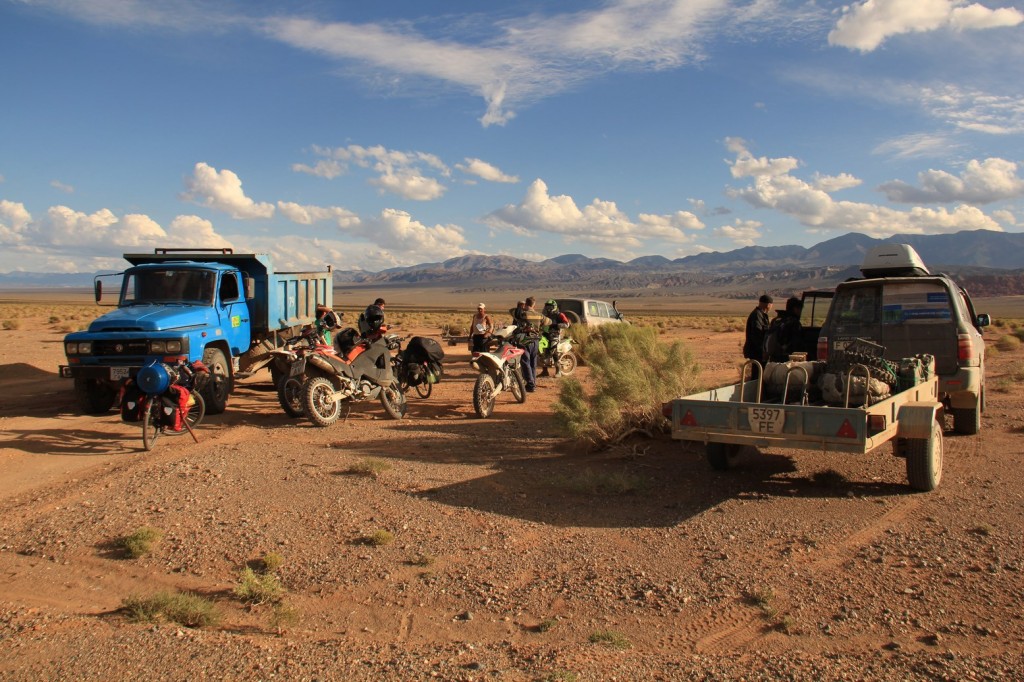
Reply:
x=511, y=559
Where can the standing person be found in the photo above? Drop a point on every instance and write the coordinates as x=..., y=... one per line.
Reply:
x=783, y=335
x=527, y=337
x=559, y=322
x=480, y=329
x=372, y=319
x=757, y=327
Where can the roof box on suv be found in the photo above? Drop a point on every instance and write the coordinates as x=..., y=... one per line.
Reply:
x=893, y=260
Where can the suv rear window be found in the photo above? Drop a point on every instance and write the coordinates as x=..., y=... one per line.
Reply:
x=907, y=317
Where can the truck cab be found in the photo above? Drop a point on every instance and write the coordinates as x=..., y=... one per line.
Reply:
x=210, y=305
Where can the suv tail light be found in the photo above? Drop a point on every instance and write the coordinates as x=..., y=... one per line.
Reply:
x=964, y=348
x=822, y=348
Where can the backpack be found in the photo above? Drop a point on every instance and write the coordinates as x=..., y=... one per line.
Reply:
x=132, y=402
x=175, y=404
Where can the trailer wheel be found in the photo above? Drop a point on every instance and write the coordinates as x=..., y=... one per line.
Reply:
x=719, y=455
x=924, y=460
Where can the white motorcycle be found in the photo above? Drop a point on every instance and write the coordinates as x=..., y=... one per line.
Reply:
x=562, y=353
x=500, y=370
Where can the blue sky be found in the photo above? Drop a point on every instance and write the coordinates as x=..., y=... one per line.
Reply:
x=370, y=135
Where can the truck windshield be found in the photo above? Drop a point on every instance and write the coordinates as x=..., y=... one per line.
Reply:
x=169, y=286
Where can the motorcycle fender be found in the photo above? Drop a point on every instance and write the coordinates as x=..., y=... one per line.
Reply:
x=488, y=362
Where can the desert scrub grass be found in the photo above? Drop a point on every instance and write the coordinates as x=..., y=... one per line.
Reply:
x=632, y=373
x=183, y=608
x=377, y=538
x=763, y=598
x=258, y=588
x=610, y=638
x=560, y=676
x=271, y=561
x=1016, y=371
x=546, y=625
x=283, y=616
x=371, y=468
x=589, y=482
x=11, y=325
x=140, y=543
x=1008, y=343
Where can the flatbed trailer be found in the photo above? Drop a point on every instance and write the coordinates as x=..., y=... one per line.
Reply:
x=729, y=417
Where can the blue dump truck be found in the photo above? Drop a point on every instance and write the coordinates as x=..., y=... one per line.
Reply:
x=224, y=308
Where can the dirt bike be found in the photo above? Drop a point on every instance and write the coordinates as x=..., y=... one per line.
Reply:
x=292, y=373
x=419, y=365
x=361, y=370
x=166, y=399
x=500, y=370
x=563, y=350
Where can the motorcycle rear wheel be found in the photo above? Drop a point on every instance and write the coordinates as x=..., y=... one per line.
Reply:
x=518, y=386
x=151, y=426
x=483, y=396
x=393, y=400
x=567, y=363
x=318, y=401
x=289, y=394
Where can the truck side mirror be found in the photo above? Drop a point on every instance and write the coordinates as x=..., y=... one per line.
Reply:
x=249, y=284
x=983, y=320
x=97, y=290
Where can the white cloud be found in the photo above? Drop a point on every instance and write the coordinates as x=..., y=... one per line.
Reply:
x=1005, y=217
x=916, y=145
x=834, y=183
x=397, y=231
x=193, y=231
x=600, y=222
x=486, y=171
x=746, y=164
x=325, y=168
x=981, y=182
x=14, y=221
x=741, y=232
x=409, y=185
x=58, y=185
x=307, y=215
x=222, y=191
x=816, y=209
x=866, y=25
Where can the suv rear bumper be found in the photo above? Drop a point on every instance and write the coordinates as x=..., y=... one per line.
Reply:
x=964, y=388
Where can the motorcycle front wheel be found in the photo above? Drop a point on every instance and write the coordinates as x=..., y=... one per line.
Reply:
x=151, y=426
x=518, y=386
x=424, y=389
x=289, y=394
x=483, y=396
x=567, y=363
x=393, y=400
x=318, y=401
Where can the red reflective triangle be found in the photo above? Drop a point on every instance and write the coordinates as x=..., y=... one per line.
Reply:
x=688, y=419
x=846, y=430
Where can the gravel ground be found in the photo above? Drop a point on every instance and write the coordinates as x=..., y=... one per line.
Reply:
x=505, y=563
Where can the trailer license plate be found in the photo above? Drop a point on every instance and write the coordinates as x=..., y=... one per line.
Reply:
x=118, y=373
x=766, y=419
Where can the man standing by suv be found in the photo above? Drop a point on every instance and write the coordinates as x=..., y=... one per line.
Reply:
x=757, y=326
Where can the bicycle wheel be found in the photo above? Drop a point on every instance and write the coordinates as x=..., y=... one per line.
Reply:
x=424, y=389
x=151, y=426
x=195, y=415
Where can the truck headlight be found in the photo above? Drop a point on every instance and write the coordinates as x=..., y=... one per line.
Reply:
x=157, y=347
x=84, y=347
x=78, y=347
x=174, y=346
x=71, y=348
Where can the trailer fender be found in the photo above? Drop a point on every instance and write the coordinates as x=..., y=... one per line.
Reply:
x=916, y=419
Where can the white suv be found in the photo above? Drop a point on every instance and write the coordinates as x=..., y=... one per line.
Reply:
x=901, y=306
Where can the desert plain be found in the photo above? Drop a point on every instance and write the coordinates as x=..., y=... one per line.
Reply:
x=443, y=546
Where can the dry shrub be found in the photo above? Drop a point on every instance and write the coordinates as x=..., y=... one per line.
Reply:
x=1008, y=343
x=183, y=608
x=633, y=373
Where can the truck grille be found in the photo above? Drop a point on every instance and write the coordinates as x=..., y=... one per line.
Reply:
x=125, y=347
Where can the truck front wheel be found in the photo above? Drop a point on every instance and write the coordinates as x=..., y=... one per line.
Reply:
x=218, y=388
x=94, y=397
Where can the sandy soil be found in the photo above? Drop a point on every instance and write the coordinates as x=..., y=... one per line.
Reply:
x=796, y=564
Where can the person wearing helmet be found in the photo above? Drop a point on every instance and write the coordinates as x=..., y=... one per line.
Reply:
x=371, y=321
x=558, y=322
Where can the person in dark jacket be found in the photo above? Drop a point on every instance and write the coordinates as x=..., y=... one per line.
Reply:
x=783, y=336
x=372, y=319
x=757, y=327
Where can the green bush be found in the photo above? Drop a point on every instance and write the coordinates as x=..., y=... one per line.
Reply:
x=140, y=543
x=183, y=608
x=258, y=588
x=632, y=373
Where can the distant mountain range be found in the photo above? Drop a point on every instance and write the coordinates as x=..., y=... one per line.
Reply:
x=980, y=256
